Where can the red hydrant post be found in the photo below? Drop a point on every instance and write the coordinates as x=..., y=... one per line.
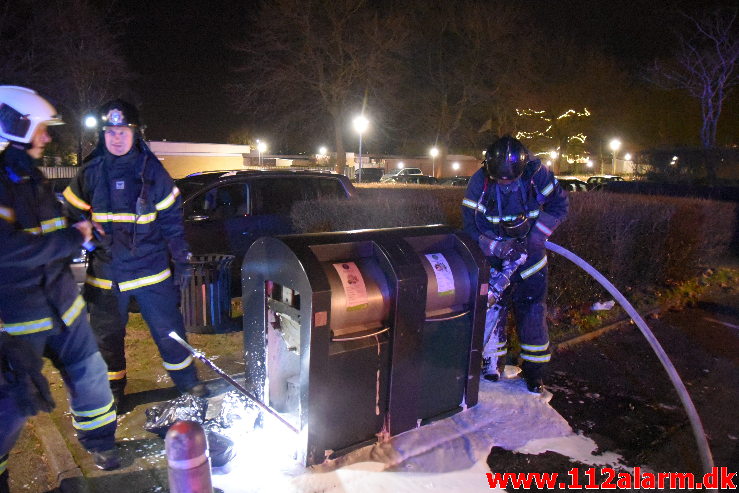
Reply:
x=188, y=462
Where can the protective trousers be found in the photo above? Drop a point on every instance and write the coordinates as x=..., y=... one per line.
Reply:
x=527, y=293
x=158, y=304
x=73, y=352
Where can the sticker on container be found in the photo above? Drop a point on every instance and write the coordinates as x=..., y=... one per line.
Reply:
x=351, y=279
x=444, y=277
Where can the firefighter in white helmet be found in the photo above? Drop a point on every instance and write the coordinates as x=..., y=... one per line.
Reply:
x=41, y=309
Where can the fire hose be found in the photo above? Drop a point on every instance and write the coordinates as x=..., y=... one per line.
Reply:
x=199, y=355
x=695, y=422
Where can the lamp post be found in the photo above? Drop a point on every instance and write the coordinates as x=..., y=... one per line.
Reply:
x=433, y=152
x=614, y=145
x=89, y=122
x=360, y=126
x=261, y=147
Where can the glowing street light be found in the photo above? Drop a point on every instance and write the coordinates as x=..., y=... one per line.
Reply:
x=360, y=126
x=91, y=121
x=627, y=156
x=589, y=163
x=401, y=165
x=455, y=165
x=322, y=151
x=614, y=145
x=433, y=152
x=553, y=154
x=261, y=148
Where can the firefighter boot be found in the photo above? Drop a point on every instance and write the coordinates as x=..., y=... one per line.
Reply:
x=107, y=460
x=491, y=368
x=532, y=374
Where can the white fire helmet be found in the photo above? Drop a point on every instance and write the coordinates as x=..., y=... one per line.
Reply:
x=21, y=112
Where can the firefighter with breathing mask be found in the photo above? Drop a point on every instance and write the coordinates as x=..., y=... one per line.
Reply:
x=143, y=255
x=511, y=206
x=41, y=310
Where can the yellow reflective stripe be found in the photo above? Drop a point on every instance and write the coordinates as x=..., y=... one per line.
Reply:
x=144, y=281
x=8, y=214
x=33, y=231
x=501, y=352
x=53, y=224
x=98, y=283
x=501, y=344
x=94, y=412
x=536, y=359
x=531, y=347
x=534, y=268
x=3, y=466
x=75, y=200
x=168, y=200
x=105, y=217
x=543, y=228
x=473, y=205
x=73, y=311
x=548, y=189
x=95, y=423
x=31, y=327
x=178, y=366
x=117, y=375
x=533, y=213
x=493, y=219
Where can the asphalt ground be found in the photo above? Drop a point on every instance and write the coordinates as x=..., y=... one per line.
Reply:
x=610, y=388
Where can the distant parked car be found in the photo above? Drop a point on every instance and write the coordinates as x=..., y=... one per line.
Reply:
x=597, y=181
x=455, y=181
x=225, y=212
x=369, y=175
x=412, y=179
x=572, y=184
x=388, y=177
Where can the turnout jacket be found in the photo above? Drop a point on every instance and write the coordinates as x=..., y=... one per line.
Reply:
x=537, y=196
x=140, y=209
x=36, y=244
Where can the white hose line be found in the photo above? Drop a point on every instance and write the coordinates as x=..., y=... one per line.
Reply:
x=695, y=421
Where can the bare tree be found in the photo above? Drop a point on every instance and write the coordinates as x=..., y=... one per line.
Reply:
x=704, y=65
x=307, y=63
x=460, y=62
x=66, y=50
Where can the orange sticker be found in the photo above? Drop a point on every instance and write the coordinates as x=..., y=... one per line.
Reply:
x=320, y=319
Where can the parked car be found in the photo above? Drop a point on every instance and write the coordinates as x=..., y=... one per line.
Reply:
x=572, y=184
x=455, y=181
x=596, y=181
x=413, y=179
x=388, y=177
x=369, y=175
x=78, y=263
x=225, y=212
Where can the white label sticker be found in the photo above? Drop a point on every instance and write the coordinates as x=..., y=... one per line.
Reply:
x=444, y=276
x=120, y=185
x=351, y=279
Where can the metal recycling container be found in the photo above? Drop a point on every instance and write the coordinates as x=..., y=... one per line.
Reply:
x=339, y=327
x=206, y=298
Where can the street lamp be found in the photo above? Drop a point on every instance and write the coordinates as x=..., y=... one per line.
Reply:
x=261, y=148
x=89, y=122
x=455, y=166
x=360, y=126
x=322, y=151
x=433, y=152
x=614, y=145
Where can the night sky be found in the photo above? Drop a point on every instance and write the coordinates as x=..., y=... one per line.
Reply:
x=180, y=55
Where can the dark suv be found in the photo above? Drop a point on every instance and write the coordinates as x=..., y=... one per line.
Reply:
x=225, y=212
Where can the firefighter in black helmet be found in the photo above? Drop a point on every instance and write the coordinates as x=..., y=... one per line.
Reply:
x=511, y=206
x=143, y=254
x=41, y=310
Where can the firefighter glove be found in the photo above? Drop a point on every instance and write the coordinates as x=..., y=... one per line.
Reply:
x=182, y=273
x=20, y=376
x=510, y=249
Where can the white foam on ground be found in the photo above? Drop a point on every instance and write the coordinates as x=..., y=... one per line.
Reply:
x=448, y=455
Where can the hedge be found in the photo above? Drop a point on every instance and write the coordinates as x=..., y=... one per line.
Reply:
x=635, y=241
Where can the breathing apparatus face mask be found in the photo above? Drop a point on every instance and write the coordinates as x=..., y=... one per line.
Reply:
x=517, y=227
